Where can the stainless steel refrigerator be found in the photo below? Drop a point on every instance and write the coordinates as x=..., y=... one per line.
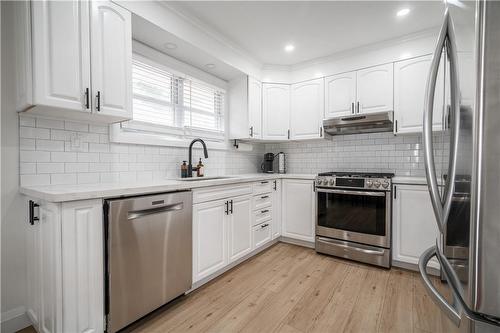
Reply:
x=464, y=181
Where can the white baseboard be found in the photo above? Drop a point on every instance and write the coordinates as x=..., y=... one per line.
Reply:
x=14, y=320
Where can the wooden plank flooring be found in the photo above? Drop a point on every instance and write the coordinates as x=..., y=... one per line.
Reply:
x=291, y=289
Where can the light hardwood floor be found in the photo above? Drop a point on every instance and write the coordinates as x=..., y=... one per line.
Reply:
x=292, y=289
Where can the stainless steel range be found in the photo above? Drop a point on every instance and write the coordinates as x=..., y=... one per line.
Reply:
x=354, y=216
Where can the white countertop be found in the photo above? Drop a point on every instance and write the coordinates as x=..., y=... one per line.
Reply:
x=62, y=193
x=409, y=180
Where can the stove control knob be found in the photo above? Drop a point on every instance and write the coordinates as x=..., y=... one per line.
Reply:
x=318, y=182
x=385, y=184
x=376, y=184
x=369, y=183
x=332, y=182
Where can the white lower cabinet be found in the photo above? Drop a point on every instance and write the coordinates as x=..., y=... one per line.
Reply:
x=299, y=209
x=414, y=225
x=276, y=203
x=65, y=267
x=239, y=222
x=261, y=234
x=209, y=235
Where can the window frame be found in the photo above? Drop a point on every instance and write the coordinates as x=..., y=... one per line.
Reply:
x=161, y=135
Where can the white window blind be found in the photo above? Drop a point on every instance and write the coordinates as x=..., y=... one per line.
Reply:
x=173, y=104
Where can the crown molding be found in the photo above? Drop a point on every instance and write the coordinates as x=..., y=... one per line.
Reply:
x=365, y=48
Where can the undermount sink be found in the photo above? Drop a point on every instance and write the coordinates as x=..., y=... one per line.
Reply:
x=192, y=179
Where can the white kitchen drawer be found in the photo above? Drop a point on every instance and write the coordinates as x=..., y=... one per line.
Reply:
x=220, y=192
x=263, y=186
x=261, y=234
x=262, y=201
x=262, y=215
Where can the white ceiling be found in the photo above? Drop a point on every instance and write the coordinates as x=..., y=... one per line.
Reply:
x=316, y=28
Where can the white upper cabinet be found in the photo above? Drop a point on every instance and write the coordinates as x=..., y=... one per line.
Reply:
x=275, y=111
x=374, y=89
x=111, y=59
x=307, y=110
x=78, y=50
x=61, y=49
x=255, y=108
x=245, y=108
x=410, y=80
x=340, y=94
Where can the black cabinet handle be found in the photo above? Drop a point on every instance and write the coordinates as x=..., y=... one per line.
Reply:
x=264, y=225
x=275, y=186
x=87, y=101
x=264, y=182
x=251, y=131
x=264, y=197
x=32, y=217
x=231, y=206
x=264, y=211
x=227, y=208
x=98, y=107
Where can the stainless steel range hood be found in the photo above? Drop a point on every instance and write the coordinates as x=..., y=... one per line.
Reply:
x=360, y=123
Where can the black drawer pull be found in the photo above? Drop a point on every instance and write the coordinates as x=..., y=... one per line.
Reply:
x=264, y=225
x=264, y=211
x=264, y=182
x=264, y=197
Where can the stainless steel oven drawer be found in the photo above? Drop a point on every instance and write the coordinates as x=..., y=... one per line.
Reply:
x=354, y=251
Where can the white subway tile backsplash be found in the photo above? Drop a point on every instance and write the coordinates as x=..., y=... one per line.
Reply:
x=63, y=178
x=34, y=156
x=34, y=133
x=63, y=156
x=49, y=123
x=77, y=153
x=75, y=126
x=50, y=167
x=76, y=167
x=49, y=145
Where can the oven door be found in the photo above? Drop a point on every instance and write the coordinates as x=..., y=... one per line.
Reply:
x=358, y=216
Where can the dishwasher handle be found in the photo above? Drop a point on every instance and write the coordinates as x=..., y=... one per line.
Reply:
x=135, y=214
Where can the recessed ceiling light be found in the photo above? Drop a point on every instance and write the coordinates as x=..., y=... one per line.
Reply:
x=403, y=12
x=289, y=48
x=170, y=46
x=210, y=66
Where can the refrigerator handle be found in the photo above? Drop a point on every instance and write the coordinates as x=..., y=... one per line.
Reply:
x=454, y=312
x=446, y=40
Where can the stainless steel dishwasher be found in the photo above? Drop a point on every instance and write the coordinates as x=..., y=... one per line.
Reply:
x=148, y=254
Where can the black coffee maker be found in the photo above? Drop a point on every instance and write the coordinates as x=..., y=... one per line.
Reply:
x=267, y=165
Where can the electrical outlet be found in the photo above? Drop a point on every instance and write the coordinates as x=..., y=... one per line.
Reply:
x=75, y=141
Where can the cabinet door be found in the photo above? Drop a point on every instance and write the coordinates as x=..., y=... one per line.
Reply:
x=276, y=199
x=374, y=89
x=33, y=270
x=61, y=53
x=275, y=111
x=414, y=224
x=239, y=227
x=209, y=238
x=111, y=60
x=307, y=109
x=82, y=266
x=50, y=314
x=299, y=209
x=410, y=81
x=340, y=94
x=255, y=108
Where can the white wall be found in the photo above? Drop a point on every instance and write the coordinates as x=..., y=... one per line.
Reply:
x=13, y=266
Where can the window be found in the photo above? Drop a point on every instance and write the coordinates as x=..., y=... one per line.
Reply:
x=174, y=104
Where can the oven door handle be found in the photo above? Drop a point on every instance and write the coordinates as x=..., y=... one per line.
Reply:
x=367, y=193
x=346, y=246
